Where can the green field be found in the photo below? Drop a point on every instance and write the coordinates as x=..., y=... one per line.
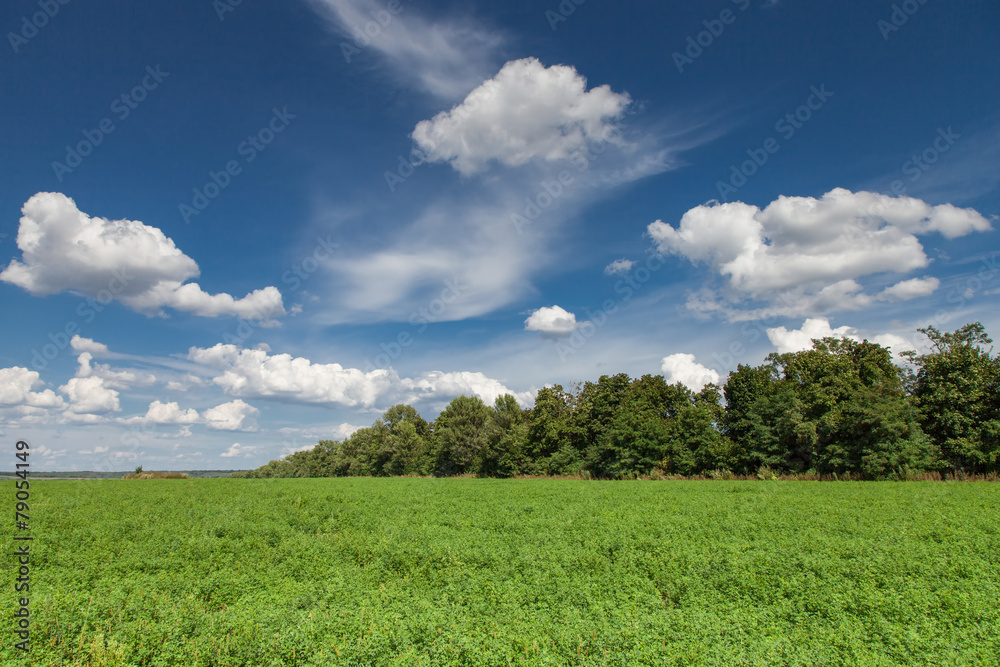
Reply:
x=510, y=572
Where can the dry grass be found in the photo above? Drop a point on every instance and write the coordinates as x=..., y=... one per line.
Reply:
x=156, y=475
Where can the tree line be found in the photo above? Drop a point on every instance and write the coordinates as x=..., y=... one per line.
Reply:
x=841, y=408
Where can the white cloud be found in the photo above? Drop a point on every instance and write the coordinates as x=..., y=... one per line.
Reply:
x=16, y=385
x=796, y=340
x=909, y=289
x=81, y=344
x=256, y=374
x=233, y=416
x=684, y=369
x=808, y=254
x=166, y=413
x=112, y=379
x=185, y=383
x=333, y=432
x=444, y=58
x=48, y=453
x=526, y=111
x=551, y=320
x=619, y=267
x=263, y=304
x=238, y=450
x=88, y=396
x=65, y=249
x=442, y=387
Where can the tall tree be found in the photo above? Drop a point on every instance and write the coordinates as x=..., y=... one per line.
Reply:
x=956, y=389
x=460, y=436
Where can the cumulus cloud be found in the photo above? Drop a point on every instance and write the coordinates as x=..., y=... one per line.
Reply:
x=166, y=413
x=909, y=289
x=233, y=416
x=256, y=374
x=796, y=340
x=238, y=450
x=684, y=369
x=526, y=111
x=619, y=267
x=552, y=320
x=804, y=255
x=64, y=249
x=16, y=389
x=89, y=396
x=439, y=386
x=81, y=344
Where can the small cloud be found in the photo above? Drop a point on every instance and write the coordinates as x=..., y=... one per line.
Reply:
x=81, y=344
x=238, y=450
x=551, y=320
x=619, y=267
x=233, y=416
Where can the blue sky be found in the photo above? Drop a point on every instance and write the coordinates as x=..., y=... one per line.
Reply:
x=229, y=229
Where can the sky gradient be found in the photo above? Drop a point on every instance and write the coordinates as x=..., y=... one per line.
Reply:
x=231, y=229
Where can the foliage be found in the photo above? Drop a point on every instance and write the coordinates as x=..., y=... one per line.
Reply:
x=473, y=572
x=956, y=389
x=841, y=408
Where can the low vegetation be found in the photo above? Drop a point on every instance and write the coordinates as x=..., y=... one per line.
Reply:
x=156, y=475
x=480, y=572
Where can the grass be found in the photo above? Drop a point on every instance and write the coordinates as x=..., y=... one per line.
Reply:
x=511, y=572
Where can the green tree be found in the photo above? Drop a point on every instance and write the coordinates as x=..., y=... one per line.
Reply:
x=402, y=442
x=838, y=408
x=956, y=389
x=740, y=422
x=555, y=439
x=460, y=436
x=507, y=438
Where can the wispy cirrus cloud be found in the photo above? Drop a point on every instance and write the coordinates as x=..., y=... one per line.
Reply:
x=446, y=58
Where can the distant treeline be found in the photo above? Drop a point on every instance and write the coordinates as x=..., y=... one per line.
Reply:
x=842, y=408
x=94, y=474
